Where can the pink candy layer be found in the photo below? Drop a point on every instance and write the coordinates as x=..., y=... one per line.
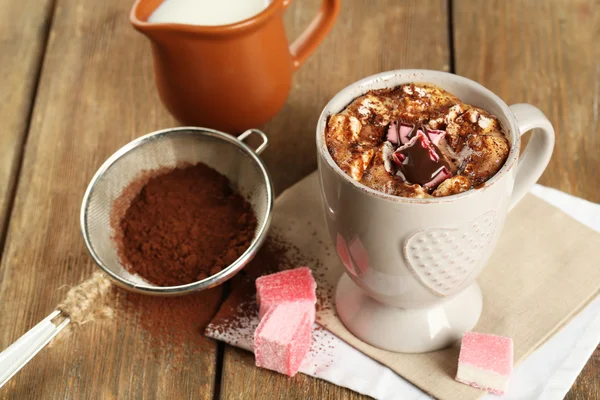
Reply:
x=291, y=286
x=487, y=352
x=283, y=338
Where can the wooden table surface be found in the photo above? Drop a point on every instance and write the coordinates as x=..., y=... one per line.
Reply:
x=77, y=84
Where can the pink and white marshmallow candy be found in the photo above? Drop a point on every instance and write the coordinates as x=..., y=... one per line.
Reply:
x=485, y=361
x=283, y=338
x=290, y=286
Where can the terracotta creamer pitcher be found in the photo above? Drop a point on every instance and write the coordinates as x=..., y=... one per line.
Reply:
x=229, y=77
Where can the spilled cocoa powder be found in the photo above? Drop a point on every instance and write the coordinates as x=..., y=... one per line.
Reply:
x=172, y=324
x=277, y=255
x=177, y=324
x=178, y=226
x=236, y=316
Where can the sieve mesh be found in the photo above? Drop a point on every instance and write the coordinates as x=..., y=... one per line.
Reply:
x=168, y=149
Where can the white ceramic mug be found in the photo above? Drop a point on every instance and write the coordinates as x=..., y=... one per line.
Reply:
x=411, y=264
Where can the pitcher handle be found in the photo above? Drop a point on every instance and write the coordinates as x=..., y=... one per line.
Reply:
x=315, y=32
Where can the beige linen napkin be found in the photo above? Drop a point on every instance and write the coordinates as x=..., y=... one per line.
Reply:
x=543, y=271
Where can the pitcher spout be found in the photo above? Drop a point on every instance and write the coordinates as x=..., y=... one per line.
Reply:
x=140, y=14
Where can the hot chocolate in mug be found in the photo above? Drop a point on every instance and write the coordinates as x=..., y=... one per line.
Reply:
x=411, y=263
x=230, y=77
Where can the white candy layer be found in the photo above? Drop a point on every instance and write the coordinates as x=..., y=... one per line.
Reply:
x=487, y=380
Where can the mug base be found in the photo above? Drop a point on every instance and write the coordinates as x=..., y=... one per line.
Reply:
x=417, y=330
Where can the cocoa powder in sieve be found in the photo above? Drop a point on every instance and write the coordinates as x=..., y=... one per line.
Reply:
x=184, y=225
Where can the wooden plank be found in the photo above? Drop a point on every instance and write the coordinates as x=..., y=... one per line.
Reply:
x=586, y=386
x=96, y=93
x=544, y=53
x=23, y=35
x=366, y=39
x=242, y=380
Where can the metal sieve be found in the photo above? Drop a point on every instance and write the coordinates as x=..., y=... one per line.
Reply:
x=169, y=148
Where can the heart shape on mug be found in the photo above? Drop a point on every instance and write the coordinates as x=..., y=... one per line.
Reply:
x=443, y=259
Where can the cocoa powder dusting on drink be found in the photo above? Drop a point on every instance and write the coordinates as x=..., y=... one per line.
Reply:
x=182, y=226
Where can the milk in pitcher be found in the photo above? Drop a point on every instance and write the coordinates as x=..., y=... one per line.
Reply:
x=206, y=12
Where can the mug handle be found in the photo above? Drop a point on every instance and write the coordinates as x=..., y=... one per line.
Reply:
x=535, y=158
x=313, y=35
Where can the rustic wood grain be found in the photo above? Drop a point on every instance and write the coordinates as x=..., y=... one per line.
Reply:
x=587, y=385
x=545, y=53
x=96, y=93
x=242, y=380
x=368, y=38
x=23, y=33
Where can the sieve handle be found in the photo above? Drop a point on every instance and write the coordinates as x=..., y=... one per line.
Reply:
x=18, y=354
x=265, y=140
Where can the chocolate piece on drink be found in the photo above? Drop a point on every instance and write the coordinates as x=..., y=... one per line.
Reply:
x=291, y=286
x=283, y=338
x=485, y=361
x=420, y=162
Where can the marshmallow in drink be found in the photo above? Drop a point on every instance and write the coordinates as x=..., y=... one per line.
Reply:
x=485, y=361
